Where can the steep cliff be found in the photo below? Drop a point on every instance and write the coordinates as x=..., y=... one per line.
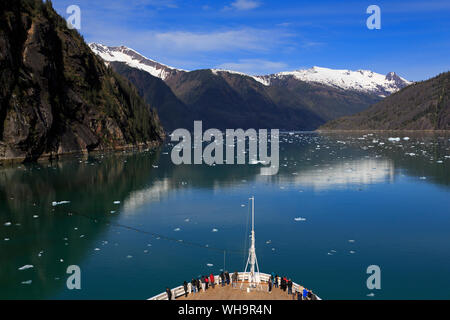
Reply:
x=56, y=96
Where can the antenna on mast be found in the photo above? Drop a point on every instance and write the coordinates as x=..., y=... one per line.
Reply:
x=254, y=278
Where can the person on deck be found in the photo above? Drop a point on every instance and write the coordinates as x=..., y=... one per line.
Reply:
x=193, y=286
x=305, y=294
x=289, y=285
x=197, y=282
x=211, y=280
x=185, y=285
x=269, y=283
x=283, y=284
x=206, y=282
x=203, y=284
x=222, y=278
x=169, y=294
x=227, y=277
x=235, y=279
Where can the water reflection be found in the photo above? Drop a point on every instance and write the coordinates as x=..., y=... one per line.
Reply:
x=33, y=232
x=343, y=174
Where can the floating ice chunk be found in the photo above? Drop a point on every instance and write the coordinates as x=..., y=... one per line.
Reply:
x=299, y=219
x=56, y=203
x=406, y=138
x=215, y=230
x=187, y=220
x=112, y=212
x=26, y=267
x=352, y=252
x=97, y=249
x=177, y=229
x=27, y=282
x=6, y=239
x=7, y=224
x=242, y=205
x=371, y=294
x=35, y=216
x=268, y=241
x=394, y=139
x=351, y=241
x=423, y=178
x=129, y=257
x=116, y=202
x=209, y=265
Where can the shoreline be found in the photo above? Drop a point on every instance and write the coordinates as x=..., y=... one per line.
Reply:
x=49, y=157
x=380, y=131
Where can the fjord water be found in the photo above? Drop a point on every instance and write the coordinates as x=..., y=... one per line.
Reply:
x=363, y=200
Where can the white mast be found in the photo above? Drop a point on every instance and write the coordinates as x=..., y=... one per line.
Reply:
x=254, y=278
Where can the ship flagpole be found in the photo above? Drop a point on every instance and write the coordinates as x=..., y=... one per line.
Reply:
x=252, y=262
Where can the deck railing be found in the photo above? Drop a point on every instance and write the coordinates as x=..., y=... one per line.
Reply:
x=242, y=276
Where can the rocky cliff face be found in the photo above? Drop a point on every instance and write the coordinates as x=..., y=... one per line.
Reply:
x=56, y=96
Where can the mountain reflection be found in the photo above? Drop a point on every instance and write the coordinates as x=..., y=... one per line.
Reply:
x=33, y=232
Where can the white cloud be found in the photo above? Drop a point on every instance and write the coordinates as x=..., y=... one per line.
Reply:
x=254, y=66
x=245, y=4
x=225, y=41
x=183, y=42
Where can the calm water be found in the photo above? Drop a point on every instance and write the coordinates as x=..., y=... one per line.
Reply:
x=366, y=200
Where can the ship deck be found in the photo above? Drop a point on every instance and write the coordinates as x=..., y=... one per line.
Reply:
x=230, y=293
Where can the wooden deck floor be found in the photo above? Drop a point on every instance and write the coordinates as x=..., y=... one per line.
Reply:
x=230, y=293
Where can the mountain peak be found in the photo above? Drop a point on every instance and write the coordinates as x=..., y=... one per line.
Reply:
x=361, y=80
x=133, y=59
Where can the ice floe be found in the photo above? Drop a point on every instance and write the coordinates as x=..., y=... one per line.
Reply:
x=56, y=203
x=26, y=267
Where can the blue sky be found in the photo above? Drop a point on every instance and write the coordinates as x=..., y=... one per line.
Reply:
x=262, y=36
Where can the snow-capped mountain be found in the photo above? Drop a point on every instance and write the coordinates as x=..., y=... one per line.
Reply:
x=362, y=80
x=133, y=59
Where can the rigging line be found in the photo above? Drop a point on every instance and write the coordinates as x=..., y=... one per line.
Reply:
x=160, y=236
